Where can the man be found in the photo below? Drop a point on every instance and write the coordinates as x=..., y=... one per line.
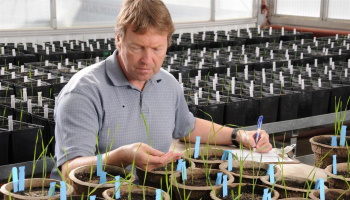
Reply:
x=127, y=108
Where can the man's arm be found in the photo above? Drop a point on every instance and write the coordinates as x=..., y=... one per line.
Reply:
x=141, y=154
x=217, y=134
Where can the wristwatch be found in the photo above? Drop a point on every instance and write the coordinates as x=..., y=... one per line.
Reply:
x=233, y=137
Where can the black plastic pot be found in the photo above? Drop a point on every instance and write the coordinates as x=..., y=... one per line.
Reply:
x=4, y=146
x=209, y=110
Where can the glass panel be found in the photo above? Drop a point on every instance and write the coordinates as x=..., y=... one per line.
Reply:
x=87, y=12
x=17, y=14
x=188, y=10
x=339, y=9
x=233, y=9
x=307, y=8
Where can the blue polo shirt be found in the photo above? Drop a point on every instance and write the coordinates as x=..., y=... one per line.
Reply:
x=99, y=102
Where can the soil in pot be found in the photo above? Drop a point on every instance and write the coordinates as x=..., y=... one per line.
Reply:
x=342, y=179
x=134, y=192
x=209, y=158
x=248, y=192
x=331, y=194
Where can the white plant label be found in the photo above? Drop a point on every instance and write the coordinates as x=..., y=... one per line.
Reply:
x=47, y=51
x=301, y=56
x=109, y=47
x=282, y=31
x=339, y=52
x=228, y=72
x=251, y=93
x=98, y=45
x=169, y=68
x=64, y=50
x=97, y=59
x=46, y=111
x=245, y=59
x=36, y=72
x=180, y=77
x=246, y=72
x=325, y=69
x=53, y=48
x=261, y=59
x=46, y=63
x=25, y=79
x=25, y=46
x=2, y=72
x=299, y=79
x=13, y=52
x=319, y=82
x=233, y=85
x=217, y=64
x=72, y=69
x=199, y=74
x=196, y=98
x=13, y=101
x=214, y=85
x=2, y=50
x=346, y=73
x=61, y=43
x=82, y=47
x=22, y=68
x=271, y=88
x=315, y=62
x=274, y=66
x=200, y=92
x=330, y=75
x=196, y=81
x=91, y=47
x=10, y=122
x=189, y=58
x=59, y=65
x=303, y=84
x=61, y=79
x=29, y=105
x=13, y=75
x=270, y=31
x=217, y=96
x=38, y=82
x=40, y=99
x=49, y=76
x=25, y=96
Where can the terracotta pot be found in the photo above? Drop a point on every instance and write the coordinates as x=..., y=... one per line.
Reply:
x=189, y=192
x=36, y=183
x=204, y=153
x=337, y=181
x=125, y=190
x=331, y=194
x=216, y=194
x=157, y=178
x=77, y=197
x=321, y=145
x=259, y=168
x=296, y=198
x=84, y=188
x=288, y=191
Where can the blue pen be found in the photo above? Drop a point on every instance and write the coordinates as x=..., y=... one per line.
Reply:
x=258, y=126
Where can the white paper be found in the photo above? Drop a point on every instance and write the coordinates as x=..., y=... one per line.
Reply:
x=271, y=156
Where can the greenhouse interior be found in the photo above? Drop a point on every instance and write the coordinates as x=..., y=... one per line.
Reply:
x=255, y=93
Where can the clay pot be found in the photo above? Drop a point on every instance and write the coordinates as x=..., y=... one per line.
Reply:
x=204, y=153
x=331, y=194
x=287, y=191
x=125, y=190
x=77, y=197
x=338, y=181
x=246, y=188
x=321, y=145
x=84, y=188
x=157, y=177
x=251, y=166
x=36, y=183
x=190, y=192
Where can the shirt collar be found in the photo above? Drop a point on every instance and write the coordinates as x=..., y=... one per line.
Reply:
x=117, y=76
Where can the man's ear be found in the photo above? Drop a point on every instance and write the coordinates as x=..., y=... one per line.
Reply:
x=117, y=41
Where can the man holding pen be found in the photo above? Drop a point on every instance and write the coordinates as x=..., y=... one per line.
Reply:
x=129, y=109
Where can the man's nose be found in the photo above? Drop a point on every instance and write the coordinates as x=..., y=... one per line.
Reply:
x=146, y=56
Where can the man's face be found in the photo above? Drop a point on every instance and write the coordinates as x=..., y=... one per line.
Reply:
x=141, y=55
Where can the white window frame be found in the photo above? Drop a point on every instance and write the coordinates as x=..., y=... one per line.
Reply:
x=53, y=30
x=323, y=22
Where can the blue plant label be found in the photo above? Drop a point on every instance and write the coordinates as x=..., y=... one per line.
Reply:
x=317, y=185
x=271, y=172
x=334, y=141
x=334, y=164
x=266, y=191
x=342, y=135
x=196, y=147
x=63, y=189
x=322, y=193
x=93, y=197
x=224, y=186
x=229, y=160
x=183, y=171
x=52, y=189
x=99, y=165
x=158, y=194
x=269, y=196
x=103, y=177
x=117, y=187
x=179, y=165
x=21, y=178
x=15, y=179
x=218, y=178
x=224, y=155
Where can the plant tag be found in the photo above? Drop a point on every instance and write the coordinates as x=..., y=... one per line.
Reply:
x=91, y=47
x=319, y=82
x=183, y=171
x=199, y=74
x=40, y=99
x=301, y=56
x=251, y=93
x=87, y=43
x=63, y=190
x=180, y=77
x=339, y=52
x=2, y=72
x=271, y=88
x=245, y=59
x=97, y=59
x=109, y=47
x=233, y=85
x=158, y=194
x=10, y=122
x=229, y=160
x=224, y=155
x=13, y=52
x=270, y=31
x=103, y=177
x=224, y=186
x=72, y=70
x=99, y=165
x=71, y=45
x=196, y=81
x=218, y=96
x=29, y=105
x=117, y=187
x=82, y=47
x=218, y=178
x=196, y=98
x=299, y=79
x=196, y=148
x=274, y=66
x=271, y=173
x=92, y=197
x=266, y=191
x=13, y=100
x=321, y=186
x=302, y=84
x=214, y=85
x=200, y=93
x=346, y=73
x=47, y=51
x=21, y=178
x=342, y=135
x=61, y=79
x=261, y=59
x=228, y=72
x=179, y=165
x=15, y=178
x=53, y=48
x=217, y=64
x=2, y=50
x=46, y=111
x=52, y=189
x=38, y=82
x=246, y=72
x=64, y=50
x=98, y=45
x=330, y=75
x=169, y=68
x=334, y=166
x=24, y=90
x=59, y=66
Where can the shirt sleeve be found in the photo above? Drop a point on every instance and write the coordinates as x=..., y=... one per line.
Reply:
x=77, y=120
x=184, y=119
